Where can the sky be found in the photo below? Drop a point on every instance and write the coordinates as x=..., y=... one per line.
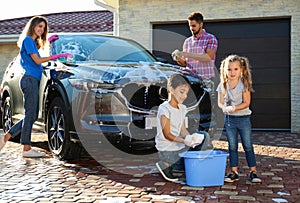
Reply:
x=23, y=8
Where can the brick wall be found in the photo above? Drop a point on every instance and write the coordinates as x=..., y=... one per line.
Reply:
x=135, y=18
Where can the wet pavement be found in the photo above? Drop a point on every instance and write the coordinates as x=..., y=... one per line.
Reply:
x=118, y=180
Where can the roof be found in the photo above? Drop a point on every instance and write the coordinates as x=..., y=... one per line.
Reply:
x=79, y=21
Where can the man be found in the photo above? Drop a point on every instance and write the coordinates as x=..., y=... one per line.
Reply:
x=199, y=50
x=199, y=55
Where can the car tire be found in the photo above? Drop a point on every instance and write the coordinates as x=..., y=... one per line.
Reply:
x=6, y=117
x=59, y=141
x=1, y=120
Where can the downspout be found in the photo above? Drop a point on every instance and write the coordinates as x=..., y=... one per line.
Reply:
x=115, y=13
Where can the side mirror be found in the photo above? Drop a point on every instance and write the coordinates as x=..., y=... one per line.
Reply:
x=46, y=64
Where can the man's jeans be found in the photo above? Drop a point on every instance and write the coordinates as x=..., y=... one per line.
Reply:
x=241, y=125
x=30, y=89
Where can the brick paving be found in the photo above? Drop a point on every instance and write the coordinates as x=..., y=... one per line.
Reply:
x=137, y=180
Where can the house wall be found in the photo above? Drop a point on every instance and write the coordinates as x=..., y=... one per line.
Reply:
x=8, y=52
x=136, y=18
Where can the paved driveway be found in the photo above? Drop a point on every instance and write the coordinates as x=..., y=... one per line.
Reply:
x=117, y=180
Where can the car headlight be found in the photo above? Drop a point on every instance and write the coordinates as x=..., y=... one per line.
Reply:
x=82, y=84
x=85, y=84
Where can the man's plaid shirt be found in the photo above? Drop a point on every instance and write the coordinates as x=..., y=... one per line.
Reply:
x=199, y=46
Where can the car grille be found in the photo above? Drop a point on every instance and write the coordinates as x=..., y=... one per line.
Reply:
x=150, y=96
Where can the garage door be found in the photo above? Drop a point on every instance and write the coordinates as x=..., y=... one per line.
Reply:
x=266, y=42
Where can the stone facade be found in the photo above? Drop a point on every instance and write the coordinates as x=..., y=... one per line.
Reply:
x=135, y=20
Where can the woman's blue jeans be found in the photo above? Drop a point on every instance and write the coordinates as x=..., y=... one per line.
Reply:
x=239, y=125
x=30, y=89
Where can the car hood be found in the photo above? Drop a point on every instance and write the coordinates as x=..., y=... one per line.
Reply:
x=125, y=73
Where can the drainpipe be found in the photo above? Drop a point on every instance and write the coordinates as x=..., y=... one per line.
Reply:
x=115, y=13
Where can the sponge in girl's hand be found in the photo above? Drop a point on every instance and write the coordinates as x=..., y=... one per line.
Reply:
x=197, y=139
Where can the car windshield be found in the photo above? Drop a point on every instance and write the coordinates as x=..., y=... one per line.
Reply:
x=93, y=48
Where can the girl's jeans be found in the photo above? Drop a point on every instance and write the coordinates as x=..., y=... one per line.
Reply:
x=235, y=125
x=30, y=89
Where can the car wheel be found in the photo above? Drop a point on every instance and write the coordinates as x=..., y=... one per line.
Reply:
x=58, y=132
x=7, y=122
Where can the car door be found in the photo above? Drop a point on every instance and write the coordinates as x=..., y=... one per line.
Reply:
x=12, y=83
x=43, y=85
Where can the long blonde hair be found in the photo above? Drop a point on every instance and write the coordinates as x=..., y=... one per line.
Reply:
x=246, y=77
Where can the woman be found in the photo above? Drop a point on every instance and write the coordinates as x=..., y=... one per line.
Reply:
x=35, y=32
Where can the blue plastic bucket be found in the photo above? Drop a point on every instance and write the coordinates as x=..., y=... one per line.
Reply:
x=204, y=168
